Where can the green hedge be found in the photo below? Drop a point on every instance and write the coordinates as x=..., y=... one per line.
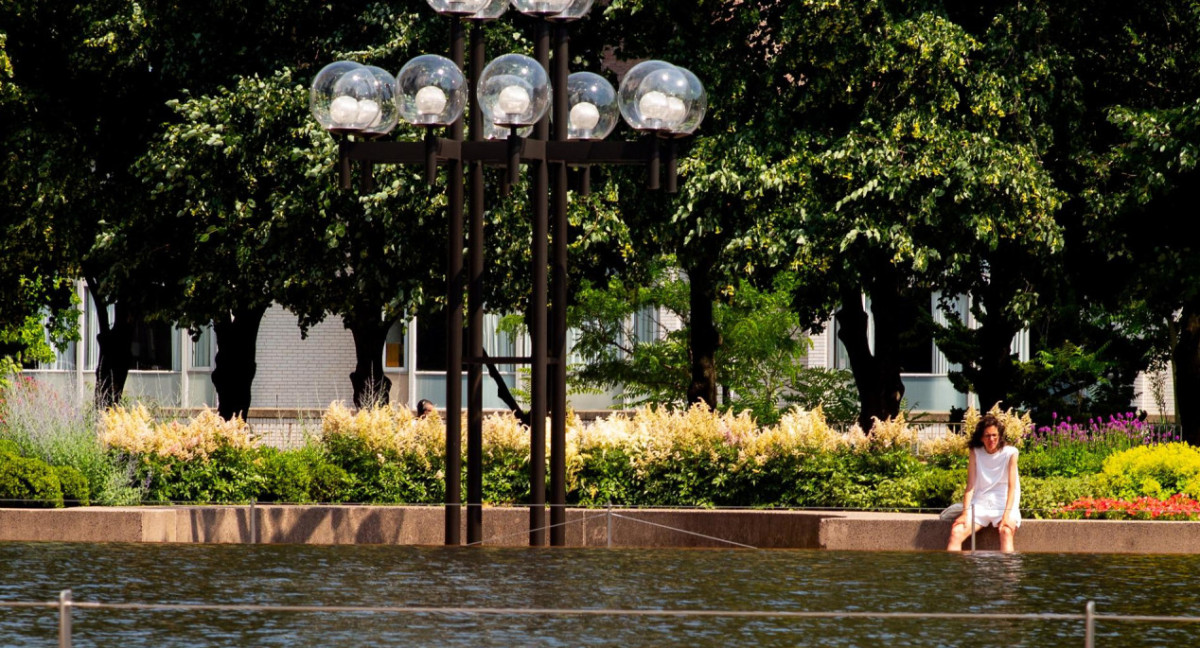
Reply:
x=28, y=483
x=74, y=486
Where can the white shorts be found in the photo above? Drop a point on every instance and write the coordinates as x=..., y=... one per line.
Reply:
x=990, y=516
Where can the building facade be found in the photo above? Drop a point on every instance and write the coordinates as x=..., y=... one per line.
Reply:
x=173, y=368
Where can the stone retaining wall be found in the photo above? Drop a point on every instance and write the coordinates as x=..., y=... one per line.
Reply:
x=508, y=526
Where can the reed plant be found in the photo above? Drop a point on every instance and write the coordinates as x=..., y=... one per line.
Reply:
x=62, y=431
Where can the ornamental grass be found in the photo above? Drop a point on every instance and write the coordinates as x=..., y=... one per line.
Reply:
x=60, y=430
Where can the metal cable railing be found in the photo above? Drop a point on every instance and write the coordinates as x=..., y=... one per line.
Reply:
x=65, y=604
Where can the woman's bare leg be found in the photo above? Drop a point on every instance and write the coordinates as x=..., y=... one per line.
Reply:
x=1007, y=534
x=958, y=533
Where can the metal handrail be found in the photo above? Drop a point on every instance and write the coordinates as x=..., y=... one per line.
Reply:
x=65, y=604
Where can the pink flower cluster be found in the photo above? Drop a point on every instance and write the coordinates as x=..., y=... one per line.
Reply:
x=1117, y=431
x=1175, y=507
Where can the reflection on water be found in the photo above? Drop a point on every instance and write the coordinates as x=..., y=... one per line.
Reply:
x=584, y=578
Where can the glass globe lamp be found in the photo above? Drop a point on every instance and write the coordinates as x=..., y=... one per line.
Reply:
x=347, y=98
x=541, y=8
x=386, y=89
x=575, y=10
x=491, y=10
x=592, y=106
x=697, y=105
x=333, y=112
x=432, y=91
x=457, y=7
x=514, y=90
x=654, y=96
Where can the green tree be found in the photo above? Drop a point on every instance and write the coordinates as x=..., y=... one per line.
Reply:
x=734, y=171
x=760, y=363
x=217, y=179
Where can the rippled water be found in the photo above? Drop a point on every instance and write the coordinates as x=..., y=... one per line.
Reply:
x=584, y=578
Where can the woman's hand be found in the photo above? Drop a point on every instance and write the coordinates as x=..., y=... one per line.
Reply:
x=1009, y=520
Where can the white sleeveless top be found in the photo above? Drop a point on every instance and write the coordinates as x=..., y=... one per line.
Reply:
x=991, y=480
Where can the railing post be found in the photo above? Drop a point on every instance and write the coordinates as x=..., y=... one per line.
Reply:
x=253, y=521
x=1089, y=629
x=64, y=619
x=608, y=515
x=972, y=526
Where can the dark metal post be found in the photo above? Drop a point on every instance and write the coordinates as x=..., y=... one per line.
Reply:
x=475, y=311
x=538, y=327
x=454, y=320
x=652, y=164
x=343, y=164
x=558, y=395
x=672, y=168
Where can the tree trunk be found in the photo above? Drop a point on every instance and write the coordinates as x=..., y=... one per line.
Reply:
x=115, y=344
x=1186, y=358
x=996, y=369
x=234, y=366
x=703, y=339
x=876, y=374
x=371, y=386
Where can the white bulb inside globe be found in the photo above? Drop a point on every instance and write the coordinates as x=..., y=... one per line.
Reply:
x=554, y=6
x=369, y=114
x=431, y=100
x=513, y=100
x=584, y=116
x=343, y=111
x=653, y=105
x=676, y=111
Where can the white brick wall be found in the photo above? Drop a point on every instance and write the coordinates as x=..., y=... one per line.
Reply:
x=1144, y=399
x=312, y=372
x=819, y=354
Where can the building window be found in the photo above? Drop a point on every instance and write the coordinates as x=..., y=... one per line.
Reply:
x=64, y=356
x=917, y=351
x=153, y=347
x=393, y=347
x=202, y=348
x=431, y=342
x=915, y=315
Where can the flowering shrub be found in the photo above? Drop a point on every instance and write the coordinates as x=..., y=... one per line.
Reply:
x=134, y=431
x=391, y=455
x=1015, y=424
x=1154, y=471
x=1068, y=448
x=1176, y=507
x=385, y=429
x=651, y=457
x=206, y=459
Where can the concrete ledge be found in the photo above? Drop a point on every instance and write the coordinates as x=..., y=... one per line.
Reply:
x=509, y=526
x=88, y=524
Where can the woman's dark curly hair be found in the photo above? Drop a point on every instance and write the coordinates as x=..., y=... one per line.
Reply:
x=988, y=420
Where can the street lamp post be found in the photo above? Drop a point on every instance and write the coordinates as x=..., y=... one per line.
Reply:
x=508, y=96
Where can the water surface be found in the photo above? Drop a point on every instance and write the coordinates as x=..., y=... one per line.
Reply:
x=584, y=578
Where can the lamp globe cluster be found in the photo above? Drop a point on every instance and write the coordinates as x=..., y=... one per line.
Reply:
x=513, y=92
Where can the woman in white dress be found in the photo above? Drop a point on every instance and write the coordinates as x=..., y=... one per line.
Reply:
x=993, y=487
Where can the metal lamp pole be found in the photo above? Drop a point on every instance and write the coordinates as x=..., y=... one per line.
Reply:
x=348, y=100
